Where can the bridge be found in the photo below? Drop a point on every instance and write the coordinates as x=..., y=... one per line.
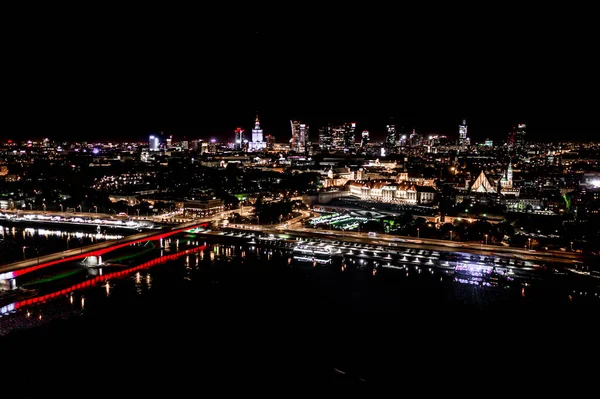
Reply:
x=9, y=273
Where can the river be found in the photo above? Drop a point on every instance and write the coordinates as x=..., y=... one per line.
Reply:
x=234, y=317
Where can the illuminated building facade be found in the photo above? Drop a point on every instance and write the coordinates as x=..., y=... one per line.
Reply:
x=463, y=140
x=300, y=138
x=257, y=142
x=153, y=143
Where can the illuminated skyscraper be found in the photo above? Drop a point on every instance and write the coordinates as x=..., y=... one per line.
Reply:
x=462, y=134
x=238, y=139
x=520, y=135
x=325, y=138
x=257, y=142
x=153, y=143
x=364, y=142
x=349, y=136
x=299, y=136
x=391, y=138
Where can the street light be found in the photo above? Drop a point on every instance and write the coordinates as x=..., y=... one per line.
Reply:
x=486, y=236
x=24, y=252
x=450, y=235
x=418, y=233
x=95, y=208
x=571, y=246
x=529, y=243
x=138, y=212
x=61, y=207
x=79, y=206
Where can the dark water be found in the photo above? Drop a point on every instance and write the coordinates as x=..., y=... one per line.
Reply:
x=238, y=320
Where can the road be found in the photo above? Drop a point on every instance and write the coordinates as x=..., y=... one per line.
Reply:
x=294, y=229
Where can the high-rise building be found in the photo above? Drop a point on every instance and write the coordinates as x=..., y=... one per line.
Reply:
x=520, y=135
x=270, y=141
x=169, y=141
x=364, y=141
x=238, y=141
x=337, y=138
x=257, y=142
x=325, y=138
x=462, y=134
x=153, y=143
x=415, y=139
x=391, y=138
x=299, y=136
x=349, y=136
x=257, y=132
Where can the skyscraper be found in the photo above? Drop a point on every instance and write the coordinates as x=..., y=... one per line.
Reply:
x=349, y=136
x=325, y=138
x=299, y=136
x=391, y=138
x=364, y=142
x=239, y=138
x=153, y=143
x=520, y=135
x=257, y=142
x=462, y=134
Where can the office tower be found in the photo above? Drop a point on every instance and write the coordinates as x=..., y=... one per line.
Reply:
x=299, y=136
x=415, y=139
x=349, y=136
x=391, y=137
x=185, y=145
x=462, y=134
x=337, y=138
x=325, y=138
x=153, y=143
x=238, y=141
x=364, y=142
x=169, y=141
x=520, y=135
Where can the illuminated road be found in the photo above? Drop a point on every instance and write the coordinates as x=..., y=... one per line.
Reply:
x=423, y=243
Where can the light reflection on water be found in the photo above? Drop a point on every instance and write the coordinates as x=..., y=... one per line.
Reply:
x=140, y=283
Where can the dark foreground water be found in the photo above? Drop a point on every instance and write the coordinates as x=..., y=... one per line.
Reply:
x=237, y=320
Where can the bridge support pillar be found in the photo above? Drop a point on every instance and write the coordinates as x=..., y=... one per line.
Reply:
x=8, y=284
x=99, y=260
x=161, y=243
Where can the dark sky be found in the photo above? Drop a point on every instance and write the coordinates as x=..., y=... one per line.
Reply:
x=428, y=74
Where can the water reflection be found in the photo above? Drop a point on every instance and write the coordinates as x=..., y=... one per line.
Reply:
x=356, y=269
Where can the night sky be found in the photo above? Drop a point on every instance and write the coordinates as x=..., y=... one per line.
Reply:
x=203, y=84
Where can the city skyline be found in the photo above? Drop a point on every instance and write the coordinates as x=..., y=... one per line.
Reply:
x=222, y=128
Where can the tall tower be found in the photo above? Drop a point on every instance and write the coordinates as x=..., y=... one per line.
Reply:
x=349, y=137
x=520, y=135
x=509, y=173
x=462, y=134
x=325, y=138
x=391, y=137
x=153, y=143
x=257, y=132
x=299, y=136
x=257, y=142
x=238, y=142
x=364, y=139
